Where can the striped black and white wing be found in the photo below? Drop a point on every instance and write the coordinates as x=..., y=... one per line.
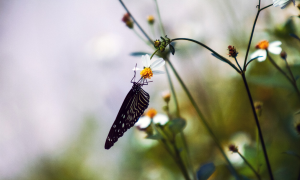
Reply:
x=134, y=105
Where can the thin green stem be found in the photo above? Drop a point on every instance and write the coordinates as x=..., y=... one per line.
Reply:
x=154, y=53
x=152, y=29
x=177, y=158
x=160, y=21
x=257, y=175
x=139, y=36
x=214, y=52
x=202, y=118
x=291, y=79
x=238, y=63
x=258, y=127
x=181, y=163
x=173, y=91
x=251, y=35
x=149, y=39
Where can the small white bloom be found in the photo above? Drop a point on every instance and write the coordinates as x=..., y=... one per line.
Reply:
x=145, y=121
x=282, y=3
x=262, y=46
x=149, y=69
x=161, y=119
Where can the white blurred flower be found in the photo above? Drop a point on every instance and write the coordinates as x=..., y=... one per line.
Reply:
x=149, y=69
x=282, y=3
x=145, y=121
x=262, y=46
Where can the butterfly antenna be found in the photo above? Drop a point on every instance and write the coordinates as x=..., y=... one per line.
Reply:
x=134, y=73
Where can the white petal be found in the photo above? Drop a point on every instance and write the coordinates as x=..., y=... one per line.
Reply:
x=256, y=53
x=158, y=72
x=147, y=60
x=157, y=64
x=264, y=56
x=160, y=119
x=285, y=4
x=137, y=69
x=143, y=122
x=275, y=50
x=144, y=60
x=275, y=43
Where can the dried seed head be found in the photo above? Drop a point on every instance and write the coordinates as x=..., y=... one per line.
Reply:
x=233, y=148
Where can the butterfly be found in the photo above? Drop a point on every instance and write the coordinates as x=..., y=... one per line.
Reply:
x=134, y=105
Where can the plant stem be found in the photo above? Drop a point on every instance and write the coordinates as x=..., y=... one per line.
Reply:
x=258, y=127
x=238, y=63
x=139, y=36
x=180, y=161
x=214, y=52
x=173, y=91
x=291, y=79
x=160, y=22
x=149, y=39
x=251, y=35
x=154, y=53
x=257, y=175
x=177, y=158
x=202, y=118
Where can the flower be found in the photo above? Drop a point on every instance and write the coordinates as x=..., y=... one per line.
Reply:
x=150, y=69
x=166, y=96
x=127, y=20
x=233, y=148
x=282, y=3
x=232, y=51
x=264, y=45
x=150, y=19
x=145, y=121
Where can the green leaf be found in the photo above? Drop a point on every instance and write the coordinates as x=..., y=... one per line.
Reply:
x=298, y=112
x=294, y=36
x=292, y=153
x=177, y=125
x=206, y=171
x=139, y=53
x=154, y=136
x=172, y=49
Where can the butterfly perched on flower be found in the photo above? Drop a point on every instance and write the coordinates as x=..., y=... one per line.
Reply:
x=135, y=103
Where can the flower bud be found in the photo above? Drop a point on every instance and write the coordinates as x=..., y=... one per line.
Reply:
x=233, y=148
x=127, y=20
x=156, y=43
x=232, y=51
x=283, y=55
x=258, y=107
x=166, y=96
x=150, y=19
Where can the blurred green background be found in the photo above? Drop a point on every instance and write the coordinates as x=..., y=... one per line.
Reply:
x=66, y=69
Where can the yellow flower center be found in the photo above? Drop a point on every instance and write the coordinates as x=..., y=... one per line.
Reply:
x=146, y=73
x=151, y=113
x=262, y=45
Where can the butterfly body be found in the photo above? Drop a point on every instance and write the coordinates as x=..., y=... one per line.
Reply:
x=134, y=105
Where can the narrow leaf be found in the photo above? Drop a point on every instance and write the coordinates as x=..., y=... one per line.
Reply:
x=226, y=61
x=138, y=53
x=298, y=112
x=295, y=36
x=154, y=136
x=252, y=60
x=292, y=153
x=172, y=49
x=206, y=171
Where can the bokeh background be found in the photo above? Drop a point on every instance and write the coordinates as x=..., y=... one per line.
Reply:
x=66, y=68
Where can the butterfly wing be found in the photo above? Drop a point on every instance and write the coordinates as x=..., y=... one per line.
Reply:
x=134, y=105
